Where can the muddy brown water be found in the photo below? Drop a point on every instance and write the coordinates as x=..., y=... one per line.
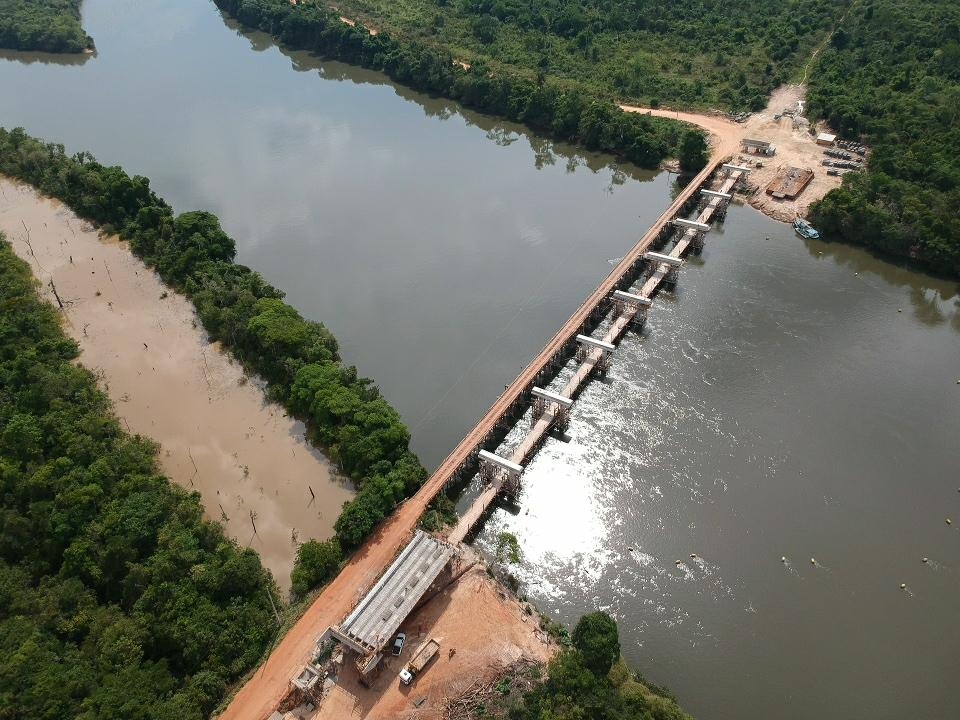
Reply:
x=247, y=459
x=778, y=406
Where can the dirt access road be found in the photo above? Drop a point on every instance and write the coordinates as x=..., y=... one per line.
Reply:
x=261, y=694
x=796, y=147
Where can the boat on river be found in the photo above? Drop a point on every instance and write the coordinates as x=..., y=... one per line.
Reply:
x=805, y=229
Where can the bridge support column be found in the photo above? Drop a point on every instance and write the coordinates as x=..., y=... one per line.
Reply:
x=539, y=407
x=494, y=468
x=697, y=242
x=562, y=421
x=720, y=214
x=670, y=279
x=629, y=302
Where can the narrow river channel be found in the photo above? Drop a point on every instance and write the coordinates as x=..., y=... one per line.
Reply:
x=791, y=399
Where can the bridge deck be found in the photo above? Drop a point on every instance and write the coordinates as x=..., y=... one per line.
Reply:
x=618, y=327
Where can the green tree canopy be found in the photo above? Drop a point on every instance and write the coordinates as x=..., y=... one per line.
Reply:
x=117, y=599
x=316, y=563
x=694, y=152
x=597, y=639
x=46, y=25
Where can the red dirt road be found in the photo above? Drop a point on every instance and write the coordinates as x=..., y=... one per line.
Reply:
x=262, y=693
x=725, y=134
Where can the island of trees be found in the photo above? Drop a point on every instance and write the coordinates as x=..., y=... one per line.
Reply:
x=44, y=25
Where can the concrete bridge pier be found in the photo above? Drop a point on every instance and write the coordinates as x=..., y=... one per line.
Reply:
x=631, y=303
x=670, y=279
x=696, y=243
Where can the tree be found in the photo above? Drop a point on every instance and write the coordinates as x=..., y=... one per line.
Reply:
x=117, y=599
x=598, y=641
x=693, y=154
x=47, y=25
x=316, y=563
x=508, y=548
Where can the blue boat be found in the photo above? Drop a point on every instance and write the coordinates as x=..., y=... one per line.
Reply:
x=805, y=229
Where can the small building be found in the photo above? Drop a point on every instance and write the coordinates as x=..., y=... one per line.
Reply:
x=763, y=147
x=826, y=139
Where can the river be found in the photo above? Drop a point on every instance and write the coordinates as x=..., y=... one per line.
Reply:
x=778, y=405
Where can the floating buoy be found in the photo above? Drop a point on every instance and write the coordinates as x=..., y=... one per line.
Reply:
x=899, y=309
x=949, y=521
x=813, y=561
x=926, y=560
x=693, y=556
x=677, y=562
x=903, y=586
x=783, y=558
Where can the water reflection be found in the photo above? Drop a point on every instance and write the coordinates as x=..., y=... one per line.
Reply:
x=546, y=152
x=930, y=296
x=764, y=466
x=43, y=58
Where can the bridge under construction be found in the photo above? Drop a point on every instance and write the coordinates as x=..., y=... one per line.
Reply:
x=400, y=569
x=620, y=303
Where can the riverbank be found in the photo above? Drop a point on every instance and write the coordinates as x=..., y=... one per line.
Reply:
x=246, y=457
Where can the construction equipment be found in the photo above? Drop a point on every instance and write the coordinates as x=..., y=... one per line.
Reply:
x=425, y=653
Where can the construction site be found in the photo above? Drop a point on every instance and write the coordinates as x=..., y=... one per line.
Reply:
x=461, y=630
x=416, y=619
x=792, y=161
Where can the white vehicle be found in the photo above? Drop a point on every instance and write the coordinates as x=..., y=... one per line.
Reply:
x=421, y=657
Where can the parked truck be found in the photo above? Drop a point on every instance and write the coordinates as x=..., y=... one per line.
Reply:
x=418, y=662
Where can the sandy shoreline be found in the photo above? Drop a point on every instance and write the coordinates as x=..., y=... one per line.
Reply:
x=218, y=435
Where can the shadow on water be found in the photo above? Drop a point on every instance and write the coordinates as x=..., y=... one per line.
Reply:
x=44, y=58
x=546, y=152
x=935, y=301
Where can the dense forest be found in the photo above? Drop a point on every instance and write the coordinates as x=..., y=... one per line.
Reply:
x=118, y=601
x=345, y=413
x=699, y=52
x=45, y=25
x=891, y=75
